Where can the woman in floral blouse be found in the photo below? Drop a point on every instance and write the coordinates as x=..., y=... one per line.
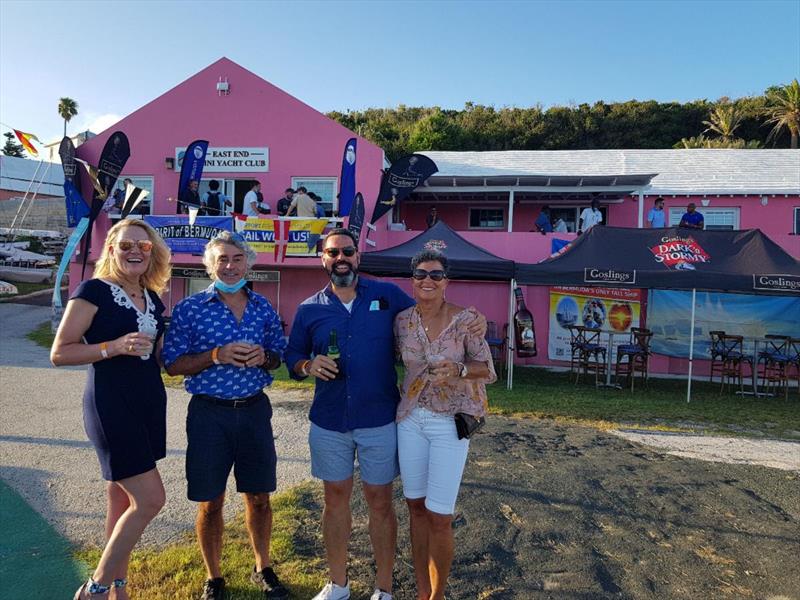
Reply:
x=447, y=370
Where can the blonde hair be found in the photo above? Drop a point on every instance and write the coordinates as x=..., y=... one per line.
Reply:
x=159, y=270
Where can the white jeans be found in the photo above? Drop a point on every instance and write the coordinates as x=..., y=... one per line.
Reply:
x=432, y=459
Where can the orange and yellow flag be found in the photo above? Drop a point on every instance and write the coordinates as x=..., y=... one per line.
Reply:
x=25, y=140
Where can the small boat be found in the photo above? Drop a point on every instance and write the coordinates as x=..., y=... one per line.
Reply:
x=8, y=289
x=9, y=272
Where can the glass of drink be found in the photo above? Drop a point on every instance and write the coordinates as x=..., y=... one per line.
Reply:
x=435, y=361
x=151, y=331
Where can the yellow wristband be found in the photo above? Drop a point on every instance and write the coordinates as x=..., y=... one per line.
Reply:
x=215, y=356
x=304, y=368
x=104, y=350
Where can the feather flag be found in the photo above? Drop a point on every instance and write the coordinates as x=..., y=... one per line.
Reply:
x=402, y=178
x=347, y=182
x=133, y=197
x=25, y=140
x=76, y=206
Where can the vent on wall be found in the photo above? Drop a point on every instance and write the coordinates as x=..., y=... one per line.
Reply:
x=223, y=88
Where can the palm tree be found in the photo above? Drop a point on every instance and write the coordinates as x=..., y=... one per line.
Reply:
x=724, y=120
x=783, y=110
x=67, y=108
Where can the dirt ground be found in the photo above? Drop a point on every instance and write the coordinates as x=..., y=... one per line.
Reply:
x=550, y=511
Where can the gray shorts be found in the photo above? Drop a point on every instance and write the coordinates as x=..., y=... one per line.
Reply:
x=333, y=454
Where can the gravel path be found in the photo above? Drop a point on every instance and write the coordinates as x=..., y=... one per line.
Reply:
x=47, y=459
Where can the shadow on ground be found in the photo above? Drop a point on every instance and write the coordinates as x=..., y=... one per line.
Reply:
x=565, y=512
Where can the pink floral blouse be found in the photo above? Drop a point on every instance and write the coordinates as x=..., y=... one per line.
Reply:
x=453, y=394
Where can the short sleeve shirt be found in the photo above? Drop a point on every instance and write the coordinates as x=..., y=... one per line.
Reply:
x=590, y=218
x=694, y=218
x=656, y=217
x=203, y=322
x=248, y=209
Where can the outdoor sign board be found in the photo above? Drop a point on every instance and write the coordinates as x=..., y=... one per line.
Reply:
x=231, y=159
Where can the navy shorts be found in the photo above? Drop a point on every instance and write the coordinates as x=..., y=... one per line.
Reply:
x=222, y=437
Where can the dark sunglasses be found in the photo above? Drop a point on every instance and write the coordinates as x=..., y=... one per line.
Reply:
x=334, y=252
x=420, y=274
x=127, y=245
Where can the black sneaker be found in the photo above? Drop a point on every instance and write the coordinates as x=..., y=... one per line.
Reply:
x=214, y=589
x=268, y=581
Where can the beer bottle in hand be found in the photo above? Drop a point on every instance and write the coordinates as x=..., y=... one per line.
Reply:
x=523, y=328
x=333, y=352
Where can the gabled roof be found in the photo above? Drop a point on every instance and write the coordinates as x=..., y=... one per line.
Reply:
x=696, y=171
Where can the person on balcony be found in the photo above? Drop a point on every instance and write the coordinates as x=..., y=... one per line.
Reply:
x=656, y=216
x=190, y=198
x=254, y=204
x=543, y=224
x=303, y=205
x=432, y=218
x=285, y=202
x=214, y=201
x=691, y=218
x=590, y=217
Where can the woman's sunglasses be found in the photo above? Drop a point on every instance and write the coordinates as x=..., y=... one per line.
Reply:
x=420, y=274
x=127, y=245
x=334, y=252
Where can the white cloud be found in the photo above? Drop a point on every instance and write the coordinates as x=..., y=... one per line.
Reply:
x=96, y=123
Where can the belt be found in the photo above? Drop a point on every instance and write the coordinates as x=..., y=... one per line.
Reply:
x=231, y=402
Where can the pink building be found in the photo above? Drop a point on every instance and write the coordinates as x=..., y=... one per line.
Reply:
x=491, y=198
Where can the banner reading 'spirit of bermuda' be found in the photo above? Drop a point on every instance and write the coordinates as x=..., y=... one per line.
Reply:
x=303, y=235
x=180, y=236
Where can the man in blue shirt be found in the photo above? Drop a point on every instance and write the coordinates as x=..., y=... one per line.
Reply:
x=354, y=406
x=543, y=223
x=225, y=340
x=656, y=215
x=691, y=218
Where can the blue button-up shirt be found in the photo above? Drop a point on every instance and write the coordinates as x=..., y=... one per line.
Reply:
x=203, y=321
x=368, y=395
x=656, y=217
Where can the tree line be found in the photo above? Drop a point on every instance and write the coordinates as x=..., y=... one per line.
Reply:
x=765, y=121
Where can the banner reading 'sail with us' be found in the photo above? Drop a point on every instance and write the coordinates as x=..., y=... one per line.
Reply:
x=303, y=235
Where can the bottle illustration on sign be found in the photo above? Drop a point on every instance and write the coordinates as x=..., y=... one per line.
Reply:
x=523, y=328
x=333, y=352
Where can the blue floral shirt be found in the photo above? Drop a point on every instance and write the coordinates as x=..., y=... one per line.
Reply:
x=202, y=322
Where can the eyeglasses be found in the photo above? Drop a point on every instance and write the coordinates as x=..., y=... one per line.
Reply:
x=127, y=245
x=334, y=252
x=420, y=274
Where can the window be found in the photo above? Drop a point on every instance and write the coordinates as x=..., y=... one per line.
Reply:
x=797, y=220
x=324, y=187
x=486, y=218
x=142, y=181
x=714, y=218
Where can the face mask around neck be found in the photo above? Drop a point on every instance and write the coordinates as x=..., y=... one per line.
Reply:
x=229, y=288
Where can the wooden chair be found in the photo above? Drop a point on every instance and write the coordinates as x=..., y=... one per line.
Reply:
x=591, y=356
x=576, y=342
x=733, y=359
x=716, y=354
x=637, y=353
x=773, y=365
x=497, y=345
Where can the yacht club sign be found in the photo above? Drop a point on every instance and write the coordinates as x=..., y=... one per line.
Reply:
x=236, y=159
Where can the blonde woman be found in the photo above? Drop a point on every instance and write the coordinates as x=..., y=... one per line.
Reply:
x=114, y=324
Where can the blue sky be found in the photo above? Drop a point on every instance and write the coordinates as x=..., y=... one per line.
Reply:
x=112, y=57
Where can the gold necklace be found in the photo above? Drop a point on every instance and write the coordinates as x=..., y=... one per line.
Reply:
x=421, y=320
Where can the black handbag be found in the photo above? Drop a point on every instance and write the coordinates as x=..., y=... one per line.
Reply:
x=467, y=424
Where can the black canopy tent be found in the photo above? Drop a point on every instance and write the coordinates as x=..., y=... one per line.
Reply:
x=671, y=258
x=467, y=261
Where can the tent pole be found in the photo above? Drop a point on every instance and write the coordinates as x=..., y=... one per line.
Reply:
x=509, y=337
x=691, y=348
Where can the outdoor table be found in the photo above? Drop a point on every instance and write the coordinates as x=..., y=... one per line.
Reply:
x=756, y=341
x=611, y=333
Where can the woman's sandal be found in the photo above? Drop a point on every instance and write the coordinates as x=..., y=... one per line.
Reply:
x=91, y=589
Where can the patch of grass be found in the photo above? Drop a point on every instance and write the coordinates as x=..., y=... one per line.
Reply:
x=27, y=288
x=42, y=335
x=662, y=405
x=177, y=571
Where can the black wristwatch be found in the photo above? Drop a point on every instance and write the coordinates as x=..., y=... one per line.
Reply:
x=272, y=361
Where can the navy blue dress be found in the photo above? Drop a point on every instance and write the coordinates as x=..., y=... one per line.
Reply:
x=124, y=404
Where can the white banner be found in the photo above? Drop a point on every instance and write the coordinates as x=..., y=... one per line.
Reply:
x=238, y=159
